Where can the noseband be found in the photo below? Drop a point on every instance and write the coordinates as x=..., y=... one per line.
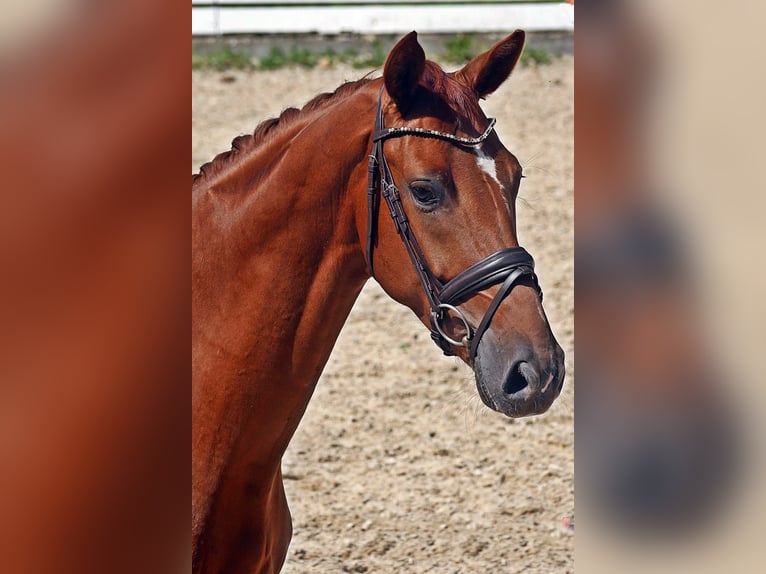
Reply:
x=506, y=266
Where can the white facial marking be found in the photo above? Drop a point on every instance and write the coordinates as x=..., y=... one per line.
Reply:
x=487, y=165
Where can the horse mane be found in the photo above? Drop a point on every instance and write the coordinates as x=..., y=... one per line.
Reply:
x=249, y=142
x=445, y=86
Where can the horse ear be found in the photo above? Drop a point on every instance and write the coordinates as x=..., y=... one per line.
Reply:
x=403, y=68
x=487, y=71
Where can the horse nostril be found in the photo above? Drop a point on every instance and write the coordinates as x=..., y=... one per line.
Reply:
x=516, y=380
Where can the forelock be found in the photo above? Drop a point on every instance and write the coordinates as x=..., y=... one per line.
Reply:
x=459, y=97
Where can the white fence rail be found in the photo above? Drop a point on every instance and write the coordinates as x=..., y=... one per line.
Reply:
x=210, y=17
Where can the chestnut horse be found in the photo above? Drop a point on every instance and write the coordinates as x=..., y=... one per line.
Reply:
x=285, y=234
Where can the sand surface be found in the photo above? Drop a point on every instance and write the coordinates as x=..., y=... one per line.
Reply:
x=396, y=466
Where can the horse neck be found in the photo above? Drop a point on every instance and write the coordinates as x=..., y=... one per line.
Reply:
x=277, y=266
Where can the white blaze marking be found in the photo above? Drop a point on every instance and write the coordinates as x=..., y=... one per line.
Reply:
x=487, y=165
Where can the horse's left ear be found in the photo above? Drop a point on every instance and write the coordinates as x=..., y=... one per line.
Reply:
x=487, y=71
x=404, y=66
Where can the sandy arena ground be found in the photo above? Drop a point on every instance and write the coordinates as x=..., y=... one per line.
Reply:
x=396, y=466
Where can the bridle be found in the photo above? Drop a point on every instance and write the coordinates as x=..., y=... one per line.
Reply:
x=506, y=266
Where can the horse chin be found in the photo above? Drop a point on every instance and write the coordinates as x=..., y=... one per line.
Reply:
x=520, y=404
x=519, y=390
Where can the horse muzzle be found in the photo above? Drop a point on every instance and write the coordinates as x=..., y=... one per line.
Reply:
x=519, y=382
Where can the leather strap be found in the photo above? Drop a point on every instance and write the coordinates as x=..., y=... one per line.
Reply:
x=504, y=291
x=488, y=272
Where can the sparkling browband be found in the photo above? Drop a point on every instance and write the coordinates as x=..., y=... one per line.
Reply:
x=426, y=133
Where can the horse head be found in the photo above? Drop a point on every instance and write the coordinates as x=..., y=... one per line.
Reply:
x=451, y=188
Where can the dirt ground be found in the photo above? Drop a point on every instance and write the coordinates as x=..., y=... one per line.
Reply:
x=397, y=466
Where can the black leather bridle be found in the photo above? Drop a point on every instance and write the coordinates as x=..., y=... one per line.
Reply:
x=506, y=266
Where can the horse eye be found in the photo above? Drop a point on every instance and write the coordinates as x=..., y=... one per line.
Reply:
x=424, y=194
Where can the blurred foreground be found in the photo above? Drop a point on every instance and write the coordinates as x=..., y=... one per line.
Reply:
x=668, y=289
x=94, y=399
